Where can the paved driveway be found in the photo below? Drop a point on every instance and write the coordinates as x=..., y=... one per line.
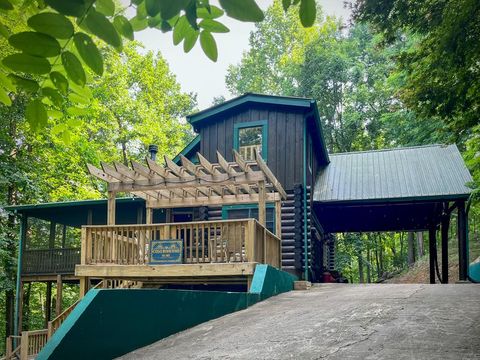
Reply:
x=339, y=321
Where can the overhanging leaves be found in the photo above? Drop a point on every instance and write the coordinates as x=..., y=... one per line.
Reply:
x=36, y=114
x=27, y=64
x=243, y=10
x=123, y=26
x=89, y=52
x=209, y=45
x=75, y=8
x=60, y=82
x=100, y=26
x=307, y=12
x=52, y=24
x=74, y=68
x=35, y=43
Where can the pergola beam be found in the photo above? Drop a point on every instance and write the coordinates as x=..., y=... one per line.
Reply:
x=189, y=184
x=212, y=200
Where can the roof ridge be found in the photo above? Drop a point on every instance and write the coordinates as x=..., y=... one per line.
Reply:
x=390, y=149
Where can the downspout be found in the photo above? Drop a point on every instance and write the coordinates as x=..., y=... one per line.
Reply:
x=19, y=274
x=305, y=219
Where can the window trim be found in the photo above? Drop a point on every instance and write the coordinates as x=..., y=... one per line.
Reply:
x=260, y=123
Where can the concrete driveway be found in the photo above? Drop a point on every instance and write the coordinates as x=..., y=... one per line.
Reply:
x=339, y=321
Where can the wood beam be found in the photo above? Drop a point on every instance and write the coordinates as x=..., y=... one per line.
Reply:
x=174, y=270
x=445, y=224
x=268, y=173
x=212, y=200
x=262, y=216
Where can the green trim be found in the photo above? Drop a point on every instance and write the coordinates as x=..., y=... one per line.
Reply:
x=23, y=230
x=259, y=123
x=187, y=149
x=305, y=232
x=248, y=97
x=395, y=200
x=268, y=281
x=21, y=208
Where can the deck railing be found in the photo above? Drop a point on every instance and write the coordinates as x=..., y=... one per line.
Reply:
x=26, y=346
x=248, y=151
x=203, y=242
x=50, y=261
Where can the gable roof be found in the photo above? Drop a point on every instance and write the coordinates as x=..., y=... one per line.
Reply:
x=190, y=150
x=249, y=98
x=413, y=173
x=307, y=104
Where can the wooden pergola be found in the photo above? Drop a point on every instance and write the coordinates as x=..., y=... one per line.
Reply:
x=191, y=185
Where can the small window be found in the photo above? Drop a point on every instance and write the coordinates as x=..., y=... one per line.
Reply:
x=249, y=137
x=249, y=212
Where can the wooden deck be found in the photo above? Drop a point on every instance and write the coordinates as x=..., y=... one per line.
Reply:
x=213, y=251
x=167, y=271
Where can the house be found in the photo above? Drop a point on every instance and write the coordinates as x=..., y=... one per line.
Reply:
x=312, y=195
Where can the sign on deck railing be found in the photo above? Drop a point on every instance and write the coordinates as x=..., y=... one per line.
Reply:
x=166, y=252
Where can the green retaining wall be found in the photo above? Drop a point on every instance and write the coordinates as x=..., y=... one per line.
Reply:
x=110, y=322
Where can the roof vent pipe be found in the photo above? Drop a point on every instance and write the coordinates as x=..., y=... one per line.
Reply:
x=153, y=150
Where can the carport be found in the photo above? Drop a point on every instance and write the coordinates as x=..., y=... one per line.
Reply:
x=406, y=189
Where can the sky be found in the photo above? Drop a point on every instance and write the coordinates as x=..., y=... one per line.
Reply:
x=195, y=72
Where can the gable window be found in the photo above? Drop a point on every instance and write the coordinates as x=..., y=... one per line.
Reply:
x=249, y=211
x=251, y=136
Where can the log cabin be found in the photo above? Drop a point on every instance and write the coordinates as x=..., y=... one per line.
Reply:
x=255, y=185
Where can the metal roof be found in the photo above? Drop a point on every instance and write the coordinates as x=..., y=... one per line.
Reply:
x=412, y=173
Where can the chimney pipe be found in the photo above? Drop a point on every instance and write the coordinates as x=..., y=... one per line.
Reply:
x=153, y=150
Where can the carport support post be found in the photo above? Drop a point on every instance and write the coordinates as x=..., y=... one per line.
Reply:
x=462, y=241
x=432, y=239
x=445, y=226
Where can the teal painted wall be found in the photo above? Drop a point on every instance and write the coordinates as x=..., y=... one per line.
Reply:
x=268, y=281
x=110, y=322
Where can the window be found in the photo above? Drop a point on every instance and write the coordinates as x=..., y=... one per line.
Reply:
x=249, y=137
x=249, y=212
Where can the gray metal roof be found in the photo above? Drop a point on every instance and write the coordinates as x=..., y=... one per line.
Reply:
x=413, y=173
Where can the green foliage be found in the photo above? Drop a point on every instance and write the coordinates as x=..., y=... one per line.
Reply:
x=54, y=36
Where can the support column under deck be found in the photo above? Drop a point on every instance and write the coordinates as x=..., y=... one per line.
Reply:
x=462, y=241
x=432, y=239
x=445, y=227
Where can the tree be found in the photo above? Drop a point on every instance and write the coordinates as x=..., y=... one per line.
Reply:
x=51, y=56
x=139, y=102
x=442, y=69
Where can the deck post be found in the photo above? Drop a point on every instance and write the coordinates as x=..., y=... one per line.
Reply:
x=432, y=239
x=445, y=227
x=462, y=241
x=48, y=303
x=149, y=215
x=84, y=281
x=58, y=303
x=111, y=208
x=262, y=219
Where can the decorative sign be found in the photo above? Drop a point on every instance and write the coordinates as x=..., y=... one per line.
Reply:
x=166, y=251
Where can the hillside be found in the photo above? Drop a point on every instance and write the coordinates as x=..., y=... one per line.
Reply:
x=419, y=272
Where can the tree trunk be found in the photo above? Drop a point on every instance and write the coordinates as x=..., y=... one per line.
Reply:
x=411, y=249
x=361, y=278
x=420, y=248
x=26, y=307
x=377, y=260
x=369, y=264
